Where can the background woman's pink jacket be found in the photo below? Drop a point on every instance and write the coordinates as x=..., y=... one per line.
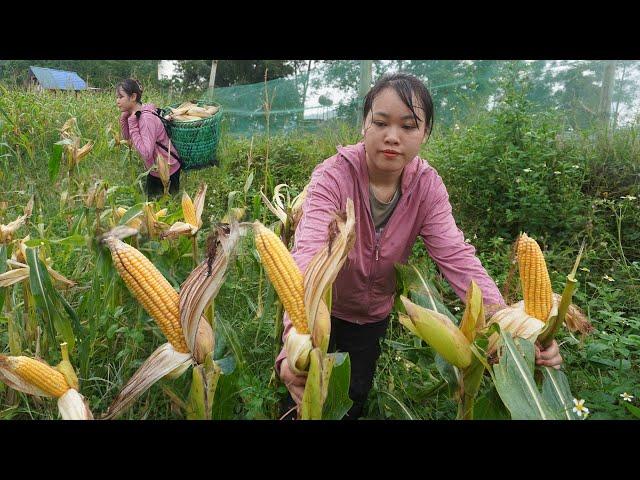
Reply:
x=363, y=291
x=144, y=133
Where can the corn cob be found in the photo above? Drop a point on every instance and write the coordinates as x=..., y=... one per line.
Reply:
x=284, y=274
x=189, y=210
x=152, y=290
x=534, y=277
x=37, y=373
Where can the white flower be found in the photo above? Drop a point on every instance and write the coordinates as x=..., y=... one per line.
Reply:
x=629, y=197
x=585, y=269
x=626, y=397
x=527, y=170
x=466, y=240
x=607, y=277
x=456, y=126
x=518, y=179
x=557, y=172
x=579, y=408
x=576, y=166
x=457, y=309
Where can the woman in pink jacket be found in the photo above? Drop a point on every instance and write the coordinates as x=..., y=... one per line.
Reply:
x=397, y=197
x=141, y=124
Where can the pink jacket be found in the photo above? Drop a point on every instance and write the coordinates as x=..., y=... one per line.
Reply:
x=144, y=133
x=363, y=291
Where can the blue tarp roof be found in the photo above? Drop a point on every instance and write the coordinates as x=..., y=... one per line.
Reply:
x=58, y=79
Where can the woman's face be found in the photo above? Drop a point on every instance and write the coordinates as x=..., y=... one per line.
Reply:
x=391, y=136
x=125, y=102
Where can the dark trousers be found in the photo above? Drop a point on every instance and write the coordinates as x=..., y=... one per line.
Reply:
x=362, y=342
x=154, y=186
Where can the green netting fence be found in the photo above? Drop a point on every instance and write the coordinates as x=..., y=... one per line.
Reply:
x=585, y=91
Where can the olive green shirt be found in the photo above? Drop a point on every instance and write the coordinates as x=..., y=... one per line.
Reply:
x=380, y=212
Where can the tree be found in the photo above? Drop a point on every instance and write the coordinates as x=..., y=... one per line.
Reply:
x=194, y=74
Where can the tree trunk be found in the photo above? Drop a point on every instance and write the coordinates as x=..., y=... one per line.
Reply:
x=615, y=115
x=604, y=108
x=365, y=84
x=304, y=92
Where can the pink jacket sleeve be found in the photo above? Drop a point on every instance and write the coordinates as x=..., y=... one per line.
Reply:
x=144, y=133
x=455, y=258
x=124, y=127
x=323, y=198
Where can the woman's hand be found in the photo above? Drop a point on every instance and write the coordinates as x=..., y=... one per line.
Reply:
x=125, y=115
x=294, y=383
x=550, y=356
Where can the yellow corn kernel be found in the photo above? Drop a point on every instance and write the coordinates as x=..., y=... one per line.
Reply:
x=38, y=374
x=534, y=277
x=284, y=275
x=189, y=210
x=151, y=289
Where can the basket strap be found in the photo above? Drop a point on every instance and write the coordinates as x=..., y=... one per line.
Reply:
x=165, y=124
x=172, y=153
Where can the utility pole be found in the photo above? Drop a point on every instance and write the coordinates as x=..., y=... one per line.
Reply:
x=608, y=78
x=365, y=84
x=212, y=75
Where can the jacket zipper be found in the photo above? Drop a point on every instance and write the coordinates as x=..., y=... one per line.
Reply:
x=382, y=232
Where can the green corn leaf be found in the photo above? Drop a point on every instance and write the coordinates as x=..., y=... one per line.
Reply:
x=338, y=403
x=131, y=213
x=515, y=383
x=490, y=407
x=421, y=291
x=557, y=393
x=227, y=391
x=312, y=397
x=75, y=240
x=44, y=296
x=54, y=161
x=448, y=372
x=220, y=345
x=196, y=408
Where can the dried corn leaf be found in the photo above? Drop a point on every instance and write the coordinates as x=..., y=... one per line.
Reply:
x=160, y=363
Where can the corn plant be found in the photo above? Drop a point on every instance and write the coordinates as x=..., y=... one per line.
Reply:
x=191, y=337
x=507, y=341
x=306, y=298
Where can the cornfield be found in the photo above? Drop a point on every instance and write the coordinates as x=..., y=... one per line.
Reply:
x=96, y=266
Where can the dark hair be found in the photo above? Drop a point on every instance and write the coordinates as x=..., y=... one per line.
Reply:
x=405, y=85
x=131, y=86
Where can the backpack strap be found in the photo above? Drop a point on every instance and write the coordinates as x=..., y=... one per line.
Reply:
x=165, y=124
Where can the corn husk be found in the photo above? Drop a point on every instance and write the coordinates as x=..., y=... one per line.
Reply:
x=7, y=231
x=161, y=362
x=73, y=406
x=191, y=225
x=162, y=167
x=298, y=347
x=438, y=331
x=325, y=265
x=515, y=320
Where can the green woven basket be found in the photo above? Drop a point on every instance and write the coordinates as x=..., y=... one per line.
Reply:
x=196, y=141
